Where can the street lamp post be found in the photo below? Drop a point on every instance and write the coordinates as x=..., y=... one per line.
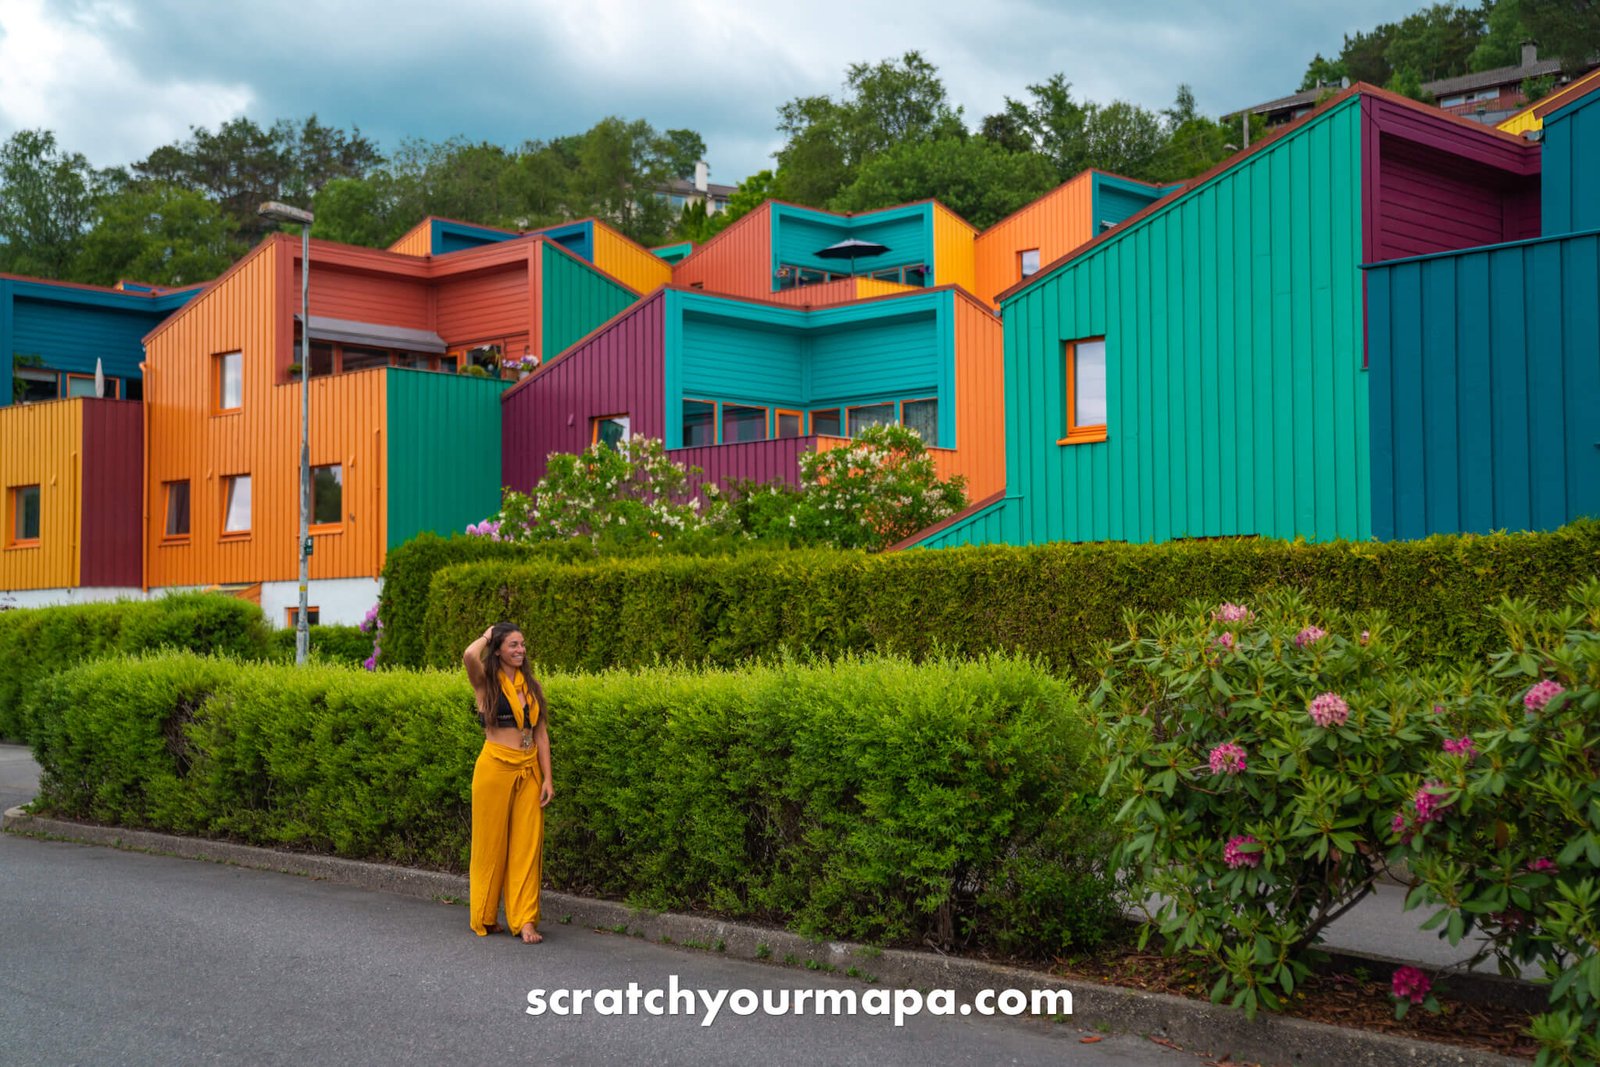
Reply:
x=277, y=212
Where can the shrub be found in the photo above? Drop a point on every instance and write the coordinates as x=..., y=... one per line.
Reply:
x=1056, y=602
x=874, y=492
x=35, y=642
x=335, y=644
x=407, y=574
x=1503, y=829
x=1259, y=753
x=872, y=799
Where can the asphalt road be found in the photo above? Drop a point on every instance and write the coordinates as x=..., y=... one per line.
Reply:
x=116, y=957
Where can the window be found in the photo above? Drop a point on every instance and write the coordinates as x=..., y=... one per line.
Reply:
x=24, y=515
x=417, y=361
x=789, y=423
x=292, y=616
x=609, y=430
x=1028, y=259
x=321, y=360
x=1086, y=391
x=448, y=364
x=134, y=390
x=859, y=418
x=352, y=359
x=236, y=504
x=83, y=385
x=230, y=381
x=741, y=423
x=32, y=384
x=327, y=495
x=825, y=423
x=177, y=508
x=699, y=423
x=923, y=417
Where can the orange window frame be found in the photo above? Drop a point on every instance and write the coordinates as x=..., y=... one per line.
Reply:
x=166, y=511
x=844, y=423
x=811, y=421
x=1077, y=435
x=219, y=381
x=113, y=388
x=779, y=413
x=14, y=511
x=228, y=482
x=1022, y=263
x=716, y=419
x=315, y=526
x=722, y=407
x=313, y=614
x=594, y=424
x=920, y=400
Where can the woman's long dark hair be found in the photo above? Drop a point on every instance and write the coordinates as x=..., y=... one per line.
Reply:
x=491, y=669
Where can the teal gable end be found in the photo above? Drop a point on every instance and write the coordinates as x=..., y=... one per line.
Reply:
x=799, y=233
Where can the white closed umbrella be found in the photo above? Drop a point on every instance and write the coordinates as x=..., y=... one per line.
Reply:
x=99, y=378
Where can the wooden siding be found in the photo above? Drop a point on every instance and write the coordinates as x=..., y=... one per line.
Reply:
x=482, y=307
x=417, y=241
x=738, y=261
x=617, y=370
x=757, y=461
x=979, y=399
x=444, y=452
x=574, y=299
x=42, y=444
x=362, y=297
x=841, y=291
x=250, y=311
x=1572, y=166
x=726, y=358
x=798, y=234
x=628, y=263
x=112, y=475
x=954, y=254
x=1483, y=411
x=1055, y=224
x=1532, y=117
x=983, y=524
x=1232, y=317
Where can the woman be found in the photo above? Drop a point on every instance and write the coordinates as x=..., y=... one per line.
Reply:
x=510, y=785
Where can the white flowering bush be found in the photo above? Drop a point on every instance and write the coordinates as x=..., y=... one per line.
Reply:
x=878, y=490
x=629, y=494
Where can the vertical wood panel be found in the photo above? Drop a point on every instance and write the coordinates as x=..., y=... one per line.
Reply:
x=42, y=444
x=1056, y=223
x=629, y=263
x=737, y=261
x=113, y=469
x=954, y=250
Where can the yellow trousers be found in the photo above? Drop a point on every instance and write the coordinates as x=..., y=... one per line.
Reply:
x=507, y=836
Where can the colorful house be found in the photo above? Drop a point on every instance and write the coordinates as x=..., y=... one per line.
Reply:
x=1484, y=409
x=741, y=388
x=55, y=333
x=70, y=471
x=1531, y=118
x=398, y=444
x=589, y=239
x=1200, y=371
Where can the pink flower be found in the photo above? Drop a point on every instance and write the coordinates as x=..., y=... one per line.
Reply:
x=1542, y=694
x=1224, y=641
x=1232, y=613
x=1235, y=856
x=1309, y=636
x=1428, y=803
x=1366, y=635
x=1329, y=709
x=1438, y=709
x=1544, y=865
x=1227, y=758
x=1410, y=984
x=1461, y=746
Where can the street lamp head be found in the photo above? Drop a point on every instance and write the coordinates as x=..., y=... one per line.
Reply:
x=276, y=212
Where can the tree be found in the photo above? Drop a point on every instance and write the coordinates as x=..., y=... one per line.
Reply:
x=46, y=203
x=1436, y=42
x=1051, y=125
x=1501, y=43
x=156, y=233
x=751, y=194
x=1408, y=82
x=974, y=177
x=621, y=165
x=684, y=149
x=359, y=211
x=1569, y=29
x=694, y=223
x=1320, y=72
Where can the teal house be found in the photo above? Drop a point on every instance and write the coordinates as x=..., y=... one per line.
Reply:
x=1201, y=370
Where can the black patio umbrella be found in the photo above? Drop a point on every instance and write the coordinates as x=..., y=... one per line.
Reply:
x=852, y=248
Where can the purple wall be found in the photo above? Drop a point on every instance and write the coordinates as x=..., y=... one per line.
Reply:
x=113, y=478
x=617, y=370
x=760, y=461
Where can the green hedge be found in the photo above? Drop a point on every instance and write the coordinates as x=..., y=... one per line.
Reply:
x=870, y=799
x=1055, y=602
x=336, y=644
x=35, y=642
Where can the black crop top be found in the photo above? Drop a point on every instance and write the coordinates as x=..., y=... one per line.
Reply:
x=505, y=716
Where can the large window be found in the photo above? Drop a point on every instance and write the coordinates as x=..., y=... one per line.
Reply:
x=699, y=423
x=24, y=525
x=33, y=384
x=177, y=494
x=742, y=423
x=230, y=381
x=609, y=430
x=859, y=418
x=1086, y=391
x=327, y=495
x=351, y=359
x=923, y=417
x=83, y=385
x=236, y=504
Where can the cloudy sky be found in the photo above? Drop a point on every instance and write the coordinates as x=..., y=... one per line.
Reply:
x=116, y=78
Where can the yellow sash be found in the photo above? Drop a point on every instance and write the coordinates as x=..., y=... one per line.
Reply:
x=521, y=701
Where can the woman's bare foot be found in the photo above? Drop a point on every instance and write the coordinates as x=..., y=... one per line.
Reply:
x=530, y=936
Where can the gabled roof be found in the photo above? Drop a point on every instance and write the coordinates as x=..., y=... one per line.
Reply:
x=1431, y=113
x=1485, y=79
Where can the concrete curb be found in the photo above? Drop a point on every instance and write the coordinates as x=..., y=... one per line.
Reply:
x=1193, y=1024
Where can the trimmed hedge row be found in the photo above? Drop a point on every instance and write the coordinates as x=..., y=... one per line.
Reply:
x=35, y=642
x=1057, y=602
x=336, y=644
x=871, y=799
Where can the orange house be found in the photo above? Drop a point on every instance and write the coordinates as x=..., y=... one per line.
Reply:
x=405, y=382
